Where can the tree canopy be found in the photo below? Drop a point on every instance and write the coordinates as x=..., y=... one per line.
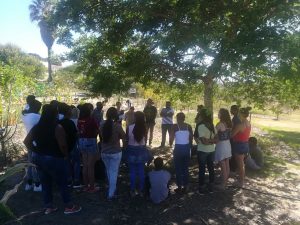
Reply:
x=30, y=66
x=177, y=41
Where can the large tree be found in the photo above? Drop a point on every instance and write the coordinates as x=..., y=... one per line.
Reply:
x=176, y=41
x=40, y=11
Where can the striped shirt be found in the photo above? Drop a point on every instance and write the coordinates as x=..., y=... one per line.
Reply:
x=167, y=115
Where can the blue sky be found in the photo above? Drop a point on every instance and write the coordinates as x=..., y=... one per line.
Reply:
x=16, y=28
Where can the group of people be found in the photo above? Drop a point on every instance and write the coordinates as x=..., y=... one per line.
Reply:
x=64, y=137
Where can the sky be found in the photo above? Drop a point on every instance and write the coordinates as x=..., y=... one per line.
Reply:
x=16, y=28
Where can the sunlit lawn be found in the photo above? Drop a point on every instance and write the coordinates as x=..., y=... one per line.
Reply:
x=286, y=129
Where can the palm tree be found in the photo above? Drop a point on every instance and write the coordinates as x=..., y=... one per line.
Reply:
x=39, y=12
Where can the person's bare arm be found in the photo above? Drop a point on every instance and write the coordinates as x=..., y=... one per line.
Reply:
x=162, y=113
x=123, y=136
x=60, y=136
x=191, y=134
x=172, y=134
x=237, y=129
x=205, y=141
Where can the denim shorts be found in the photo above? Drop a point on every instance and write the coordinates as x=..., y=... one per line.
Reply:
x=88, y=145
x=240, y=147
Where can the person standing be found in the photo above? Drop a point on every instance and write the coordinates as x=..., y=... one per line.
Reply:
x=128, y=102
x=120, y=111
x=183, y=135
x=111, y=132
x=88, y=130
x=150, y=112
x=73, y=162
x=48, y=140
x=223, y=146
x=137, y=154
x=75, y=114
x=98, y=113
x=167, y=123
x=206, y=149
x=234, y=110
x=240, y=137
x=129, y=117
x=31, y=117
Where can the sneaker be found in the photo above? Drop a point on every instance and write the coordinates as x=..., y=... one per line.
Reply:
x=77, y=185
x=73, y=209
x=37, y=188
x=50, y=210
x=28, y=187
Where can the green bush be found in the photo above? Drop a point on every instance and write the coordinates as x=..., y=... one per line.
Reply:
x=5, y=214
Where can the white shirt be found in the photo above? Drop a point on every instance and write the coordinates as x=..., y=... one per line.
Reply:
x=182, y=137
x=30, y=119
x=132, y=140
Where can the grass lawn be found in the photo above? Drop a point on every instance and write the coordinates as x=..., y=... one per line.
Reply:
x=286, y=130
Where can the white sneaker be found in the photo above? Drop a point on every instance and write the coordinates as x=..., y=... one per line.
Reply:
x=37, y=188
x=28, y=187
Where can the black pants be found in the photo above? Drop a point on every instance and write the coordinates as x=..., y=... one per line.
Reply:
x=164, y=129
x=206, y=158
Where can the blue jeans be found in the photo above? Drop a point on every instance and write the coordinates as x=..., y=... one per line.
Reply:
x=181, y=156
x=137, y=169
x=240, y=147
x=206, y=158
x=164, y=129
x=32, y=173
x=73, y=165
x=112, y=163
x=52, y=168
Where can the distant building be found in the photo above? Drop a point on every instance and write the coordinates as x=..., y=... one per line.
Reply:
x=132, y=92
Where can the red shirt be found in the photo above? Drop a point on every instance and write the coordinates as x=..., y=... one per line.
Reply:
x=87, y=128
x=242, y=136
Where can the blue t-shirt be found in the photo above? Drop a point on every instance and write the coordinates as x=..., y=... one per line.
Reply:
x=159, y=180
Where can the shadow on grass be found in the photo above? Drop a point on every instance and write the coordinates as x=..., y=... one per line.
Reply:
x=291, y=138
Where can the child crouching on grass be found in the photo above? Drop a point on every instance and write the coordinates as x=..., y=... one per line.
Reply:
x=159, y=182
x=255, y=158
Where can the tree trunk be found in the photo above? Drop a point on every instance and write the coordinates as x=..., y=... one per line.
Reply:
x=49, y=66
x=208, y=92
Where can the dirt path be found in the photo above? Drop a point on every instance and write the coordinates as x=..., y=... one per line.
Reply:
x=233, y=206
